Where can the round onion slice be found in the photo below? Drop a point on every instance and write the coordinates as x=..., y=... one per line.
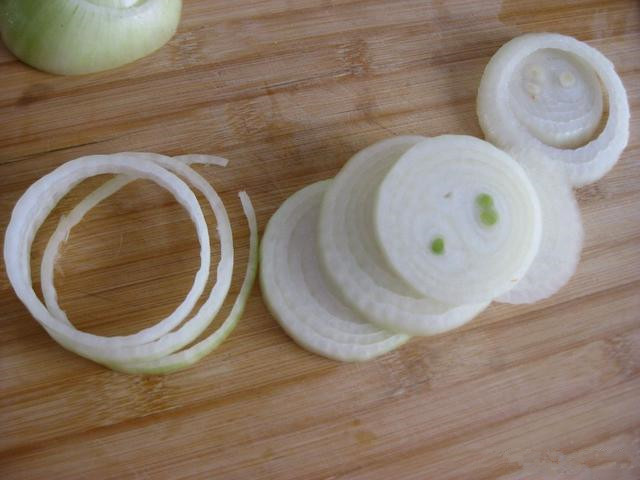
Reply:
x=38, y=201
x=353, y=262
x=297, y=294
x=544, y=92
x=562, y=234
x=458, y=219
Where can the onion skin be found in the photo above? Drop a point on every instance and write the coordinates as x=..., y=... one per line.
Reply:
x=75, y=37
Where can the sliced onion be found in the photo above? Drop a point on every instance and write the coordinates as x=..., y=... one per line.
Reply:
x=562, y=233
x=543, y=92
x=35, y=205
x=185, y=358
x=296, y=292
x=353, y=262
x=458, y=219
x=72, y=37
x=225, y=266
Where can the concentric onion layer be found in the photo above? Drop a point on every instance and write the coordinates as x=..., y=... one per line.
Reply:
x=458, y=219
x=72, y=37
x=560, y=97
x=147, y=346
x=353, y=262
x=297, y=293
x=562, y=234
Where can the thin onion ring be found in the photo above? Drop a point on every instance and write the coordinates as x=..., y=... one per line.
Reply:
x=35, y=205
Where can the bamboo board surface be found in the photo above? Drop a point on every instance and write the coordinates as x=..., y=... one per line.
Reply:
x=288, y=91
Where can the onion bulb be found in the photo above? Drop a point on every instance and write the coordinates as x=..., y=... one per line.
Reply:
x=72, y=37
x=557, y=96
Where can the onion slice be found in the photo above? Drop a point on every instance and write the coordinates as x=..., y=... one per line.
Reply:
x=543, y=92
x=72, y=37
x=458, y=219
x=562, y=234
x=351, y=257
x=297, y=294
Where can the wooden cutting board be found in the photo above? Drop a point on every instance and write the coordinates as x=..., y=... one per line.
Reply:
x=288, y=91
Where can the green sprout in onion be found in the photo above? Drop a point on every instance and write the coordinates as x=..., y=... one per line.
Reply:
x=437, y=246
x=484, y=201
x=488, y=214
x=489, y=217
x=73, y=37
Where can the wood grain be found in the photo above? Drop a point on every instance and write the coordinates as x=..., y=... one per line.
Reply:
x=288, y=91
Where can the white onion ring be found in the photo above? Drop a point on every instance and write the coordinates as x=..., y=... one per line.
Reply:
x=562, y=234
x=35, y=205
x=110, y=187
x=552, y=67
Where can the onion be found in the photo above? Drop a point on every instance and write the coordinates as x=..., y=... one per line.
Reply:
x=544, y=92
x=185, y=358
x=297, y=294
x=147, y=346
x=458, y=219
x=71, y=37
x=562, y=233
x=351, y=256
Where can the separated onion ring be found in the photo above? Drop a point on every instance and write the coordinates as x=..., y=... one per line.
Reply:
x=146, y=347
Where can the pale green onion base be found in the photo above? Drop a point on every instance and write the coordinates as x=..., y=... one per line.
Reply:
x=73, y=37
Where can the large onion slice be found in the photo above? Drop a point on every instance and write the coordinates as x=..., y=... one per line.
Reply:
x=143, y=348
x=562, y=233
x=458, y=219
x=297, y=295
x=352, y=259
x=544, y=92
